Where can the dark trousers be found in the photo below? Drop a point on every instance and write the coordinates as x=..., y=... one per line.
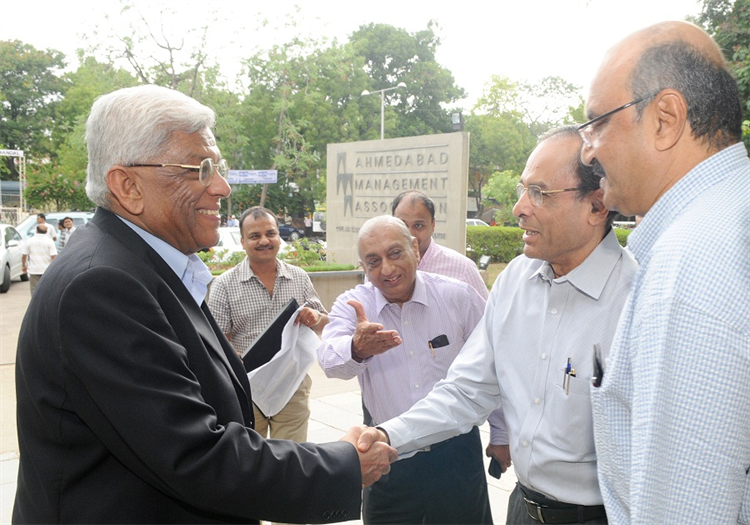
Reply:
x=519, y=515
x=445, y=485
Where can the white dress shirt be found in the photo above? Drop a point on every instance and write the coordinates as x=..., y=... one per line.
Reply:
x=393, y=381
x=193, y=272
x=517, y=356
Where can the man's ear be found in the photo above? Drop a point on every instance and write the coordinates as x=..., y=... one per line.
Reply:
x=415, y=245
x=599, y=211
x=125, y=188
x=671, y=117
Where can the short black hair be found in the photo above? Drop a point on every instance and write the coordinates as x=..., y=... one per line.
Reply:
x=416, y=195
x=257, y=212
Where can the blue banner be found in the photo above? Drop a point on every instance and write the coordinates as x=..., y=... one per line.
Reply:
x=252, y=176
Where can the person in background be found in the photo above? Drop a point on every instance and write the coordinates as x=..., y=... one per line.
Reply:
x=50, y=228
x=534, y=349
x=66, y=231
x=417, y=211
x=132, y=406
x=37, y=254
x=245, y=299
x=672, y=414
x=398, y=334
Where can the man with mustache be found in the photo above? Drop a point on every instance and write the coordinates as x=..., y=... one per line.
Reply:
x=672, y=415
x=533, y=351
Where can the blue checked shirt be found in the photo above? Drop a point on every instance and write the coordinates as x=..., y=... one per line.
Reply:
x=672, y=416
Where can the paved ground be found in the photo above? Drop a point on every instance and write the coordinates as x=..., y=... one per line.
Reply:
x=335, y=406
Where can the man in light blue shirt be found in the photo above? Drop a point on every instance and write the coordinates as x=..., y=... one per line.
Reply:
x=672, y=414
x=533, y=351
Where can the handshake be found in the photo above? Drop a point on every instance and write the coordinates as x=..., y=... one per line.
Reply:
x=374, y=450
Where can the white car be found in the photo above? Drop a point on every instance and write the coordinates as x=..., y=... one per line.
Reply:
x=11, y=257
x=27, y=228
x=475, y=222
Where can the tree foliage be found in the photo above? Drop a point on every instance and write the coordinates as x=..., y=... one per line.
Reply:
x=30, y=89
x=728, y=22
x=392, y=55
x=500, y=191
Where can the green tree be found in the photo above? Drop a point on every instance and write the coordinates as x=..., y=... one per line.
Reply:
x=500, y=192
x=392, y=55
x=50, y=189
x=728, y=22
x=30, y=88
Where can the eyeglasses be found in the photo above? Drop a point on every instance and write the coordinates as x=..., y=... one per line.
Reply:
x=587, y=130
x=205, y=170
x=536, y=194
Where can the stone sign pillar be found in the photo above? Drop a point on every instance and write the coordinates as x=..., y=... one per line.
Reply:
x=364, y=178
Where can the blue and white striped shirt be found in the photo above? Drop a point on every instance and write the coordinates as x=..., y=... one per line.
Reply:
x=672, y=416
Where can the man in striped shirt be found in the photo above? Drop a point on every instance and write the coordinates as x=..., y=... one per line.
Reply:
x=398, y=334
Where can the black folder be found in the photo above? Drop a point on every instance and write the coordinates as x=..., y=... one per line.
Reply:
x=268, y=343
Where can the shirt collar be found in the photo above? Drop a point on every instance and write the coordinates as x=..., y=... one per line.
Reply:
x=419, y=296
x=193, y=272
x=247, y=273
x=677, y=199
x=590, y=277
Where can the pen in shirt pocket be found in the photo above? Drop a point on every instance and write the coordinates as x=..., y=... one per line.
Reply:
x=598, y=367
x=439, y=341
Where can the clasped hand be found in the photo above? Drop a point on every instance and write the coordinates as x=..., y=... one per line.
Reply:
x=369, y=338
x=375, y=455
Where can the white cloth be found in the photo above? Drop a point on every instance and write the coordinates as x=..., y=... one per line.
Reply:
x=39, y=250
x=517, y=355
x=274, y=383
x=672, y=416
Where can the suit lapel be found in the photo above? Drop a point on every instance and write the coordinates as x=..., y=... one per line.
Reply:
x=207, y=329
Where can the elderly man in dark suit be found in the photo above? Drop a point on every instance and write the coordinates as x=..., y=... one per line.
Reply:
x=132, y=405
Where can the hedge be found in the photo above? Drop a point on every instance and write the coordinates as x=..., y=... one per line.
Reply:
x=503, y=243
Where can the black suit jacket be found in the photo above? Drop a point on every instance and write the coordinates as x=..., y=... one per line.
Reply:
x=134, y=408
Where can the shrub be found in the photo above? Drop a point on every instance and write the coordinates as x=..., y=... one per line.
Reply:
x=501, y=243
x=622, y=236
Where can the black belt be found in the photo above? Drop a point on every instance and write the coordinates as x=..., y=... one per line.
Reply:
x=544, y=510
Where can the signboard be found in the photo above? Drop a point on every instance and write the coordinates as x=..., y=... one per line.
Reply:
x=252, y=176
x=365, y=177
x=11, y=153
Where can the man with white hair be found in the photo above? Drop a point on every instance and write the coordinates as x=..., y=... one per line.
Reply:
x=132, y=405
x=398, y=334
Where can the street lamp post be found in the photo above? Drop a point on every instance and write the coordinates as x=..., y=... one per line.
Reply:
x=382, y=104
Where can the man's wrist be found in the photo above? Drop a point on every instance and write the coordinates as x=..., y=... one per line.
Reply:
x=387, y=437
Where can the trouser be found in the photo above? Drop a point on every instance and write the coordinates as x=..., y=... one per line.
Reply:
x=291, y=422
x=518, y=510
x=445, y=485
x=33, y=281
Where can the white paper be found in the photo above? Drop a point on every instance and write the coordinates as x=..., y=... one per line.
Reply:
x=273, y=384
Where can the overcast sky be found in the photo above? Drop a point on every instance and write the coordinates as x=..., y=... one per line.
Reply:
x=521, y=39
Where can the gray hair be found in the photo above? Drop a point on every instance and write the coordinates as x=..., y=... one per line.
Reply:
x=134, y=125
x=712, y=96
x=375, y=226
